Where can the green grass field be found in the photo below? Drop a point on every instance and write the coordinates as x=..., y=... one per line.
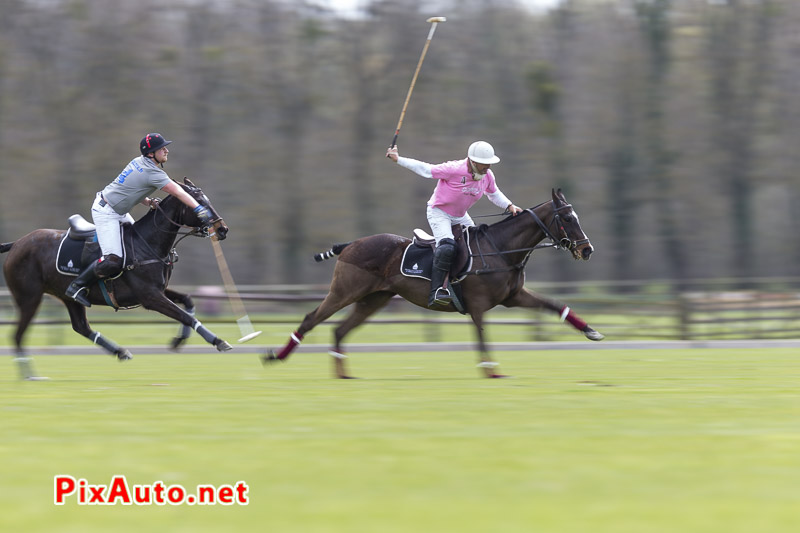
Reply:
x=590, y=441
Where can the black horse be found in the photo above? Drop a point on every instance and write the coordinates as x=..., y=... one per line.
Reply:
x=368, y=274
x=30, y=271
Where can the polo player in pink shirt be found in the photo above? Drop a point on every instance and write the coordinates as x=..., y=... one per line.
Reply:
x=459, y=185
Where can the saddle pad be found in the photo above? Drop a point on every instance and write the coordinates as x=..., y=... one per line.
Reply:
x=68, y=259
x=417, y=262
x=72, y=257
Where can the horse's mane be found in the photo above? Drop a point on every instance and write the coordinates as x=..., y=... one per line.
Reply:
x=480, y=228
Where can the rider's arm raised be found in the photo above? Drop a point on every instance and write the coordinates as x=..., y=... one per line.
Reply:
x=419, y=167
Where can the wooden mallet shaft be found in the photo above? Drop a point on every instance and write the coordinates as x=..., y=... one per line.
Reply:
x=434, y=21
x=245, y=326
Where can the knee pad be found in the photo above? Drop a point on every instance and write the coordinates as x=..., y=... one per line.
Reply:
x=443, y=256
x=108, y=266
x=447, y=247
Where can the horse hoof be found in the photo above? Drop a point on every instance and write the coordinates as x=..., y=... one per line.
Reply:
x=176, y=343
x=124, y=355
x=223, y=346
x=592, y=334
x=499, y=376
x=269, y=358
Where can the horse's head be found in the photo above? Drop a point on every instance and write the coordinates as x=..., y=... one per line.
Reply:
x=215, y=225
x=570, y=233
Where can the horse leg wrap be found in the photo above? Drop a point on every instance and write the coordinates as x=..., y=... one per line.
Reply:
x=111, y=347
x=106, y=344
x=25, y=367
x=294, y=340
x=204, y=332
x=185, y=331
x=572, y=318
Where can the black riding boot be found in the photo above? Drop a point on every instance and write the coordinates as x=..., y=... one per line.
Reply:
x=442, y=261
x=78, y=290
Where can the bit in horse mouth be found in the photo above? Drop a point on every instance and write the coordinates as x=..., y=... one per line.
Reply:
x=221, y=232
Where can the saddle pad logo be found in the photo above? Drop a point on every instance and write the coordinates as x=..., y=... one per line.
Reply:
x=417, y=261
x=68, y=258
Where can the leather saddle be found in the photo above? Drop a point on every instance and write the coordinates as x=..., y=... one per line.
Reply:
x=418, y=256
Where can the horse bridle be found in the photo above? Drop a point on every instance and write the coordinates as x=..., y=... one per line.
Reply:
x=202, y=230
x=172, y=256
x=564, y=242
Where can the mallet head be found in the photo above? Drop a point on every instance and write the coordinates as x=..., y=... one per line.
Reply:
x=250, y=336
x=436, y=19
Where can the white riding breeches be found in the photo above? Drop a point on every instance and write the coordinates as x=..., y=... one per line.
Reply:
x=109, y=227
x=441, y=223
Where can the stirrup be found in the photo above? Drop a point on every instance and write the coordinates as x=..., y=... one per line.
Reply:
x=442, y=296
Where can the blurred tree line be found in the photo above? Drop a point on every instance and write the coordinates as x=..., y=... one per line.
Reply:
x=672, y=125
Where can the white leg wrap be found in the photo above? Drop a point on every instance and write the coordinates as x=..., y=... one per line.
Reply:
x=564, y=314
x=487, y=364
x=337, y=355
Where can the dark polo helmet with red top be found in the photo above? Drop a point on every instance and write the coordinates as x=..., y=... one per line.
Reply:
x=152, y=142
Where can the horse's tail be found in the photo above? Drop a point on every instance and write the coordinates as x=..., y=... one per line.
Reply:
x=336, y=249
x=6, y=246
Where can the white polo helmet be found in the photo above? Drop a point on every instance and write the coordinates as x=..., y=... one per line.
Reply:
x=482, y=152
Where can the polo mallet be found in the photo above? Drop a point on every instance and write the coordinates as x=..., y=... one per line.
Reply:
x=245, y=326
x=434, y=21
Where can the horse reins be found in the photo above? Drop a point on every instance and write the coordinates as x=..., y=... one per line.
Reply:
x=167, y=261
x=565, y=243
x=194, y=231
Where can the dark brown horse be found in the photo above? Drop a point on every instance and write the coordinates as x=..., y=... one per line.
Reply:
x=30, y=272
x=368, y=275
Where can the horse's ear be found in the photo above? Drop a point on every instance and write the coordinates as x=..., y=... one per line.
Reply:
x=188, y=182
x=553, y=192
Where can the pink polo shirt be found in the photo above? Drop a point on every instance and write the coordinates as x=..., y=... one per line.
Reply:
x=456, y=191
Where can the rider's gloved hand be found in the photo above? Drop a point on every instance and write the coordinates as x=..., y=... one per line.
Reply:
x=202, y=213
